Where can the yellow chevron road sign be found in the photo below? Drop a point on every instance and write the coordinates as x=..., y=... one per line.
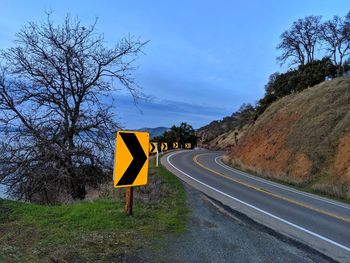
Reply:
x=188, y=146
x=131, y=159
x=164, y=146
x=153, y=147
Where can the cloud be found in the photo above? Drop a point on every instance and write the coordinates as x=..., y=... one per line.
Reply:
x=159, y=112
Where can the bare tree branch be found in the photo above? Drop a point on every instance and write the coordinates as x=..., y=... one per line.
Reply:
x=336, y=35
x=299, y=43
x=52, y=89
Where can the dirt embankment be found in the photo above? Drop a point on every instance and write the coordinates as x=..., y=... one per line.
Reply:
x=303, y=139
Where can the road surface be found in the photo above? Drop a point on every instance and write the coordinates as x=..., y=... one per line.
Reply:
x=320, y=223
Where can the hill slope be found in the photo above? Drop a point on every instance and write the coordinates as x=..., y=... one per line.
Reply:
x=222, y=134
x=303, y=138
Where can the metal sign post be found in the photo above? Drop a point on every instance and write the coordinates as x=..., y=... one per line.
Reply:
x=157, y=158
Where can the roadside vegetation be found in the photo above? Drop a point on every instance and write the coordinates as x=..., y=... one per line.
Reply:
x=314, y=50
x=326, y=190
x=184, y=133
x=213, y=134
x=57, y=147
x=57, y=123
x=298, y=132
x=97, y=229
x=302, y=139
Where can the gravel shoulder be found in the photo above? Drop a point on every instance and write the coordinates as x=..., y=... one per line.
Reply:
x=216, y=233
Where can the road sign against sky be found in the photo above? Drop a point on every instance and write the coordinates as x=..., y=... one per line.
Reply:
x=131, y=159
x=186, y=69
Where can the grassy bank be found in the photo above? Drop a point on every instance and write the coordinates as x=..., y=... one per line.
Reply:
x=306, y=187
x=93, y=231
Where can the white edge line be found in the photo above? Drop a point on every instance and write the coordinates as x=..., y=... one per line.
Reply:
x=258, y=209
x=278, y=186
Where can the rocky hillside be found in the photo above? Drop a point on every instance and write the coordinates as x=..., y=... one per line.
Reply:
x=303, y=138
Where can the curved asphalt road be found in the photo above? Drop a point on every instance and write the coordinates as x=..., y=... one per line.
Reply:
x=320, y=223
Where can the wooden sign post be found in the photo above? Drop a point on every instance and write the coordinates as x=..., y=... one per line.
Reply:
x=131, y=163
x=129, y=200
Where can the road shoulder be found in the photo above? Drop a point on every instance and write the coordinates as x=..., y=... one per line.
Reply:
x=216, y=233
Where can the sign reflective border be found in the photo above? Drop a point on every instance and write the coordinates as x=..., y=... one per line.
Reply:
x=175, y=145
x=131, y=159
x=153, y=147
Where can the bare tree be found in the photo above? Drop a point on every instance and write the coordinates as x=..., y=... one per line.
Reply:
x=336, y=34
x=55, y=90
x=269, y=87
x=347, y=21
x=299, y=43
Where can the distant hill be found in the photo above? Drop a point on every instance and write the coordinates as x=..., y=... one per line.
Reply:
x=221, y=134
x=153, y=132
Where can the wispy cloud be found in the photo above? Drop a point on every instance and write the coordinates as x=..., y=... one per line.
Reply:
x=157, y=112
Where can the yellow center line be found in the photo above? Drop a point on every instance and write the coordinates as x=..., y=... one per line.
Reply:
x=269, y=193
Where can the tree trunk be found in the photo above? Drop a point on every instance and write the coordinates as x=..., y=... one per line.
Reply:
x=78, y=190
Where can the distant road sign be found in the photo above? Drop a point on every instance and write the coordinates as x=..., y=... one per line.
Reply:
x=188, y=146
x=131, y=159
x=164, y=146
x=175, y=145
x=153, y=147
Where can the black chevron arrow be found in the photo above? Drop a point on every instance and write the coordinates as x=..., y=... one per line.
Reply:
x=152, y=147
x=139, y=158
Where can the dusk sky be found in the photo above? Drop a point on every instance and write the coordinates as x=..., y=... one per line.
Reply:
x=204, y=58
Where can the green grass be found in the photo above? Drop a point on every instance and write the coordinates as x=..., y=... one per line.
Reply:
x=96, y=231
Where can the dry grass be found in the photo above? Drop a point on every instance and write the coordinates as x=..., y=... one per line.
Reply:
x=298, y=138
x=155, y=191
x=339, y=191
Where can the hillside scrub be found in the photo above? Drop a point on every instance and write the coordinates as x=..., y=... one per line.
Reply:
x=302, y=139
x=229, y=126
x=294, y=80
x=215, y=134
x=295, y=133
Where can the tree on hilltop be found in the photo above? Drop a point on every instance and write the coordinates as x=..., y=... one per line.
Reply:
x=336, y=35
x=299, y=44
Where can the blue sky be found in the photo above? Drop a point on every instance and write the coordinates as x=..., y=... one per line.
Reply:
x=204, y=58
